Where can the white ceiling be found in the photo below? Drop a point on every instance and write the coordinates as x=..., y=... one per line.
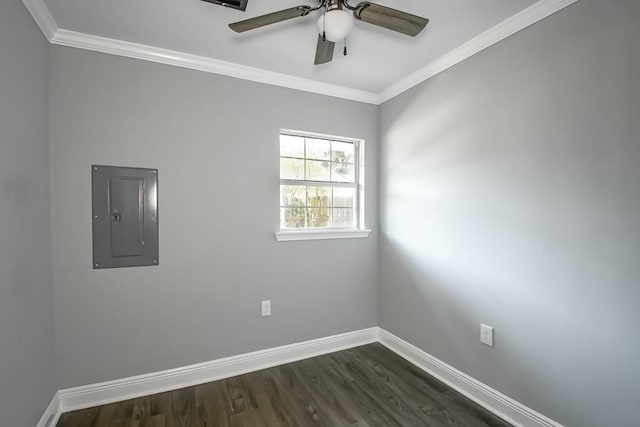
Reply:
x=377, y=57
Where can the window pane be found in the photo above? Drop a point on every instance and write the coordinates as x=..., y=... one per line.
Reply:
x=291, y=169
x=293, y=195
x=343, y=217
x=342, y=152
x=293, y=217
x=319, y=197
x=318, y=187
x=342, y=172
x=318, y=149
x=317, y=171
x=344, y=197
x=291, y=146
x=318, y=217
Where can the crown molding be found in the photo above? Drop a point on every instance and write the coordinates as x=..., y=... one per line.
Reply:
x=42, y=16
x=209, y=65
x=506, y=28
x=529, y=16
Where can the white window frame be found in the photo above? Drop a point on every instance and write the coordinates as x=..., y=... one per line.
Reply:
x=289, y=234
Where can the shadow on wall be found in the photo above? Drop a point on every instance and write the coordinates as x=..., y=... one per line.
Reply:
x=512, y=226
x=437, y=301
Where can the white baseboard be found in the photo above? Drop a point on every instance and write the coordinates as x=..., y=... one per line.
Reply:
x=173, y=379
x=51, y=414
x=505, y=407
x=157, y=382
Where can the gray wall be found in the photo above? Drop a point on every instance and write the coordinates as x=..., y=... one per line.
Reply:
x=511, y=196
x=27, y=377
x=215, y=142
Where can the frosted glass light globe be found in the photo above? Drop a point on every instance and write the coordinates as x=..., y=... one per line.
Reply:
x=339, y=24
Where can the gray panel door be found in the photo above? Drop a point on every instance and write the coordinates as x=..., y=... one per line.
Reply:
x=126, y=200
x=125, y=216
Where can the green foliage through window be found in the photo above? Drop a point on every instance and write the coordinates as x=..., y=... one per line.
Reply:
x=318, y=187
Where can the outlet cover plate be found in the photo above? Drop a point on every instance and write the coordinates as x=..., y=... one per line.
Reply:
x=486, y=335
x=265, y=308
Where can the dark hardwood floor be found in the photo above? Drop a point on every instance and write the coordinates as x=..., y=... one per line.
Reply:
x=363, y=386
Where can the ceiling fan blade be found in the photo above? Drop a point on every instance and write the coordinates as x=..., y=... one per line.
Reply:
x=270, y=18
x=324, y=51
x=392, y=19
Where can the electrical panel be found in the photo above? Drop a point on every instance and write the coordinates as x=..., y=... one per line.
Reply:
x=125, y=216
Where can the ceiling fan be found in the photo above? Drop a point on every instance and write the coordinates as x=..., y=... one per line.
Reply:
x=335, y=23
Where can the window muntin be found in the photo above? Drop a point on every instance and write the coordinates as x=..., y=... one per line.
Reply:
x=318, y=182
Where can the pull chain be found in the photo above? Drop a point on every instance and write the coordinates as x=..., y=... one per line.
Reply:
x=344, y=52
x=324, y=26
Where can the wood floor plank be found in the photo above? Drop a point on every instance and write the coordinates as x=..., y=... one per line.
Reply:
x=365, y=386
x=141, y=409
x=85, y=417
x=423, y=403
x=211, y=410
x=152, y=421
x=382, y=388
x=299, y=396
x=454, y=403
x=317, y=375
x=113, y=415
x=284, y=413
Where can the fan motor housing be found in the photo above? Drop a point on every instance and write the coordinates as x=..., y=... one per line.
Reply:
x=233, y=4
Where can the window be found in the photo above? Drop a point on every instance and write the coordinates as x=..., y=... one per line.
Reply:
x=320, y=186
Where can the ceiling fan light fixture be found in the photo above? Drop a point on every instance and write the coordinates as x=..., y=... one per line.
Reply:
x=337, y=26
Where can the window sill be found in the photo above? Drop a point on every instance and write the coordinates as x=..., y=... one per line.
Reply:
x=290, y=235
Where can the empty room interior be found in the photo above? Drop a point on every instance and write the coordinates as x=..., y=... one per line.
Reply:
x=319, y=212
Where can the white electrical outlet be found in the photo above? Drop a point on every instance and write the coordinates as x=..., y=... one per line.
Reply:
x=486, y=335
x=265, y=308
